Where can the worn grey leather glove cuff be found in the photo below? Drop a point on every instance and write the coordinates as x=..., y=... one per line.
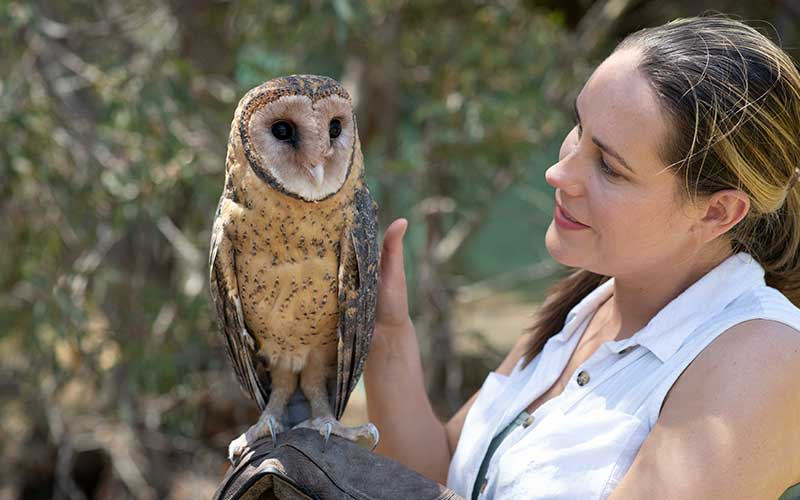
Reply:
x=297, y=468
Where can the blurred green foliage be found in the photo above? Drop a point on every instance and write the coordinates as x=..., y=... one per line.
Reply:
x=115, y=118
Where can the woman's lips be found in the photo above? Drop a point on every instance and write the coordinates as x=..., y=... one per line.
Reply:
x=565, y=221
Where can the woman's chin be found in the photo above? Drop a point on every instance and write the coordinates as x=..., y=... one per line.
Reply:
x=560, y=250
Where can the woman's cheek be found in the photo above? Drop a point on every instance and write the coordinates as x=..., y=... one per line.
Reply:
x=615, y=217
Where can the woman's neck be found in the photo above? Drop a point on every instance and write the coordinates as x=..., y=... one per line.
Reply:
x=637, y=298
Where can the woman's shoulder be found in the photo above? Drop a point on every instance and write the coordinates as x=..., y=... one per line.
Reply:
x=741, y=394
x=757, y=350
x=770, y=338
x=755, y=359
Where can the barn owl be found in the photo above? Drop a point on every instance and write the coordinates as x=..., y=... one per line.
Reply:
x=294, y=255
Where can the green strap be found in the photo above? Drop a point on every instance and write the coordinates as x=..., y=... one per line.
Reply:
x=792, y=493
x=476, y=488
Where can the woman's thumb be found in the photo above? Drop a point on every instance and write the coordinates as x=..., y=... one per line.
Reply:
x=392, y=253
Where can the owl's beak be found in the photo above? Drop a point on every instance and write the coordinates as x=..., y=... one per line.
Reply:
x=317, y=173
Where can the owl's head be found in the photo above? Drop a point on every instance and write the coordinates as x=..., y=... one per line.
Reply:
x=298, y=133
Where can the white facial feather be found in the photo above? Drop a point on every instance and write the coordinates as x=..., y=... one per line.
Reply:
x=293, y=167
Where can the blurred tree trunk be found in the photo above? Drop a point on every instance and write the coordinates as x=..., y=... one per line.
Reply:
x=203, y=35
x=443, y=370
x=376, y=67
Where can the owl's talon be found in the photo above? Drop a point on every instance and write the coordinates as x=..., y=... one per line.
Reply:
x=375, y=435
x=267, y=423
x=271, y=423
x=327, y=426
x=326, y=433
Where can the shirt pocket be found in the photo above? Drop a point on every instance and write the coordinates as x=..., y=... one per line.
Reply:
x=577, y=455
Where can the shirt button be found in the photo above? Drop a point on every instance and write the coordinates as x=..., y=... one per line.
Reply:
x=528, y=421
x=627, y=349
x=483, y=486
x=583, y=378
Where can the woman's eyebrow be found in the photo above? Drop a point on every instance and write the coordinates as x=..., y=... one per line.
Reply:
x=600, y=144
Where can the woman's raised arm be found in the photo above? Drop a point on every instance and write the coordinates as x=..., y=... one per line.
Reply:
x=397, y=403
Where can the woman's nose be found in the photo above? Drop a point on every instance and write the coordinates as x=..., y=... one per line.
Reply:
x=565, y=176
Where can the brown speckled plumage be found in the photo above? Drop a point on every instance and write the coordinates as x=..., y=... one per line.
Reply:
x=304, y=270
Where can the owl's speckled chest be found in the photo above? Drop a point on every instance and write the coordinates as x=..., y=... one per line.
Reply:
x=287, y=263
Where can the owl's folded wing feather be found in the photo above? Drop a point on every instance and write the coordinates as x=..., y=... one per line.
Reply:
x=223, y=286
x=358, y=287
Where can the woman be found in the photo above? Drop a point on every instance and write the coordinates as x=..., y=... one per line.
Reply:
x=668, y=365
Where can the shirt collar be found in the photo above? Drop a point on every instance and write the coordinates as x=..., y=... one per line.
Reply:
x=586, y=307
x=666, y=331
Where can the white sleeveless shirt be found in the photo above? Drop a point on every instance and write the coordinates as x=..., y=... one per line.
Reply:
x=581, y=443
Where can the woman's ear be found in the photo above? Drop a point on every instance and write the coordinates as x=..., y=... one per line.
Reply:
x=723, y=210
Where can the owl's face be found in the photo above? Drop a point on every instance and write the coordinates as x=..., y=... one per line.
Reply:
x=299, y=133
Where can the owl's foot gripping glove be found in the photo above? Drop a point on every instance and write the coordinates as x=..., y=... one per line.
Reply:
x=267, y=425
x=329, y=425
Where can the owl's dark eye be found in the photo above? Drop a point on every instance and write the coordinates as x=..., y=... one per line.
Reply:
x=335, y=128
x=283, y=131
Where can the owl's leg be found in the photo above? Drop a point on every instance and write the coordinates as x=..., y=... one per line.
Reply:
x=312, y=383
x=284, y=383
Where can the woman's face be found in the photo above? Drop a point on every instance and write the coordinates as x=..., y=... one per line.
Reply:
x=611, y=180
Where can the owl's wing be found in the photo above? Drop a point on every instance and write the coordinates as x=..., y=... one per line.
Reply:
x=223, y=287
x=358, y=288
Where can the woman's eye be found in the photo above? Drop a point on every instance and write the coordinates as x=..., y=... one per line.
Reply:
x=283, y=130
x=606, y=169
x=335, y=128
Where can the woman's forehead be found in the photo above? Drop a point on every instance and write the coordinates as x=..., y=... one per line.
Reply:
x=618, y=106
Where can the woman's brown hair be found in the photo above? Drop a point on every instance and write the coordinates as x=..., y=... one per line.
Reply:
x=733, y=101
